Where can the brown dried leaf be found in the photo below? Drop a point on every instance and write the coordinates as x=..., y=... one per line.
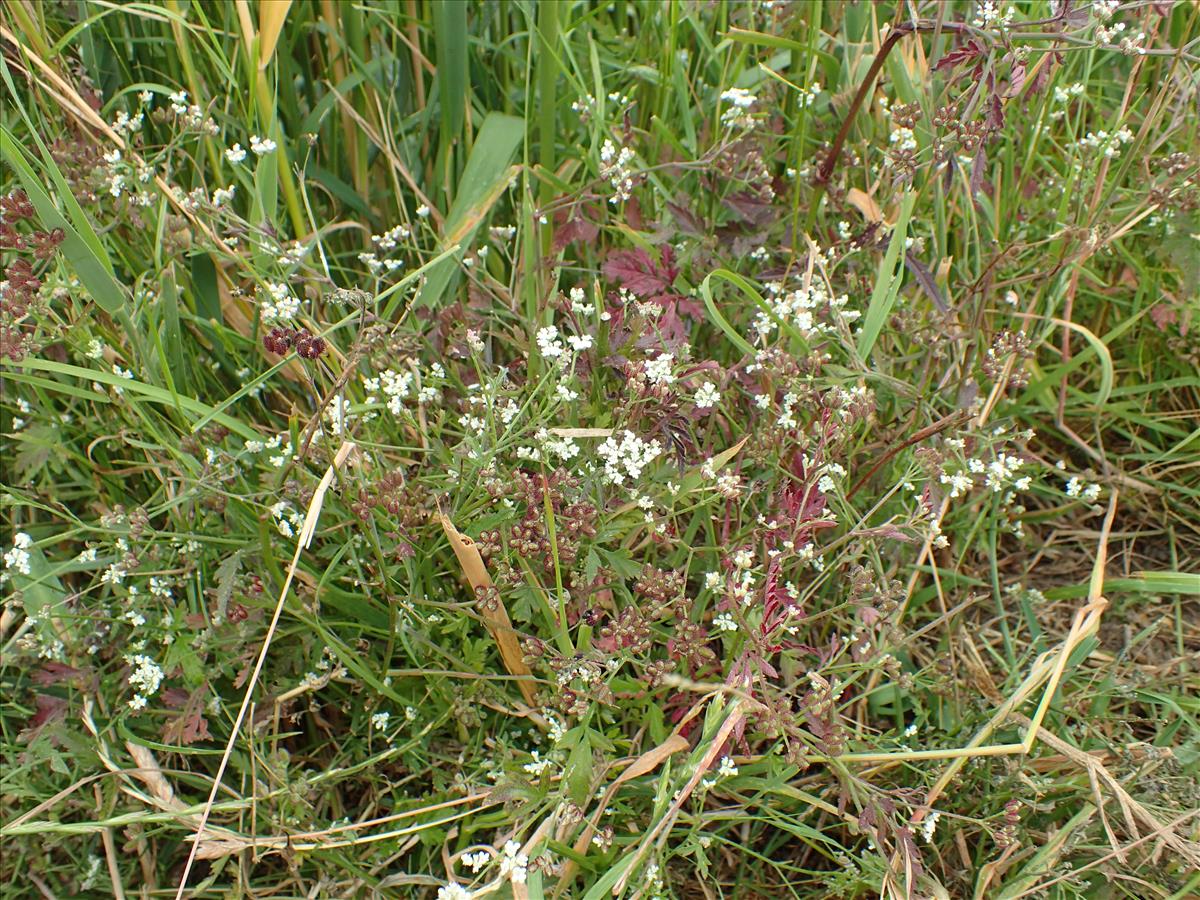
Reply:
x=496, y=619
x=865, y=204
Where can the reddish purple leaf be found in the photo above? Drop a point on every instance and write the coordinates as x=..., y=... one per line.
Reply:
x=961, y=55
x=636, y=270
x=49, y=709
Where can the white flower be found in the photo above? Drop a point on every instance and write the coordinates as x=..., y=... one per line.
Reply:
x=625, y=460
x=477, y=860
x=739, y=97
x=18, y=557
x=282, y=305
x=146, y=675
x=114, y=574
x=514, y=863
x=738, y=114
x=221, y=196
x=548, y=343
x=454, y=891
x=707, y=396
x=726, y=769
x=538, y=765
x=235, y=154
x=713, y=580
x=615, y=166
x=658, y=371
x=580, y=342
x=959, y=483
x=261, y=146
x=423, y=211
x=930, y=825
x=379, y=721
x=724, y=622
x=137, y=702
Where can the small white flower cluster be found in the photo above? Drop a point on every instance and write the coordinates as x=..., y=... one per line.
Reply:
x=454, y=891
x=327, y=668
x=740, y=102
x=127, y=374
x=827, y=483
x=193, y=116
x=1106, y=33
x=291, y=255
x=547, y=446
x=580, y=305
x=809, y=95
x=379, y=721
x=707, y=396
x=18, y=557
x=114, y=574
x=929, y=825
x=222, y=196
x=280, y=305
x=614, y=166
x=989, y=15
x=146, y=678
x=1078, y=489
x=478, y=860
x=538, y=765
x=124, y=123
x=584, y=105
x=548, y=342
x=502, y=234
x=286, y=518
x=902, y=138
x=626, y=459
x=658, y=370
x=1065, y=93
x=724, y=621
x=235, y=154
x=798, y=308
x=959, y=483
x=262, y=146
x=391, y=238
x=1109, y=144
x=275, y=443
x=514, y=865
x=397, y=386
x=26, y=409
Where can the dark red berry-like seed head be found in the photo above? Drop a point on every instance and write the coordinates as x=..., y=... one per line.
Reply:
x=279, y=340
x=309, y=346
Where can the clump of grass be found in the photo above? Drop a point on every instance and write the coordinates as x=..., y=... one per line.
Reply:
x=565, y=450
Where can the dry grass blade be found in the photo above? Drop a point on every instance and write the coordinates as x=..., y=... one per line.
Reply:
x=643, y=765
x=271, y=16
x=495, y=614
x=302, y=541
x=1131, y=810
x=733, y=718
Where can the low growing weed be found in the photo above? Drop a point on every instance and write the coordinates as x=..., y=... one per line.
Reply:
x=567, y=449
